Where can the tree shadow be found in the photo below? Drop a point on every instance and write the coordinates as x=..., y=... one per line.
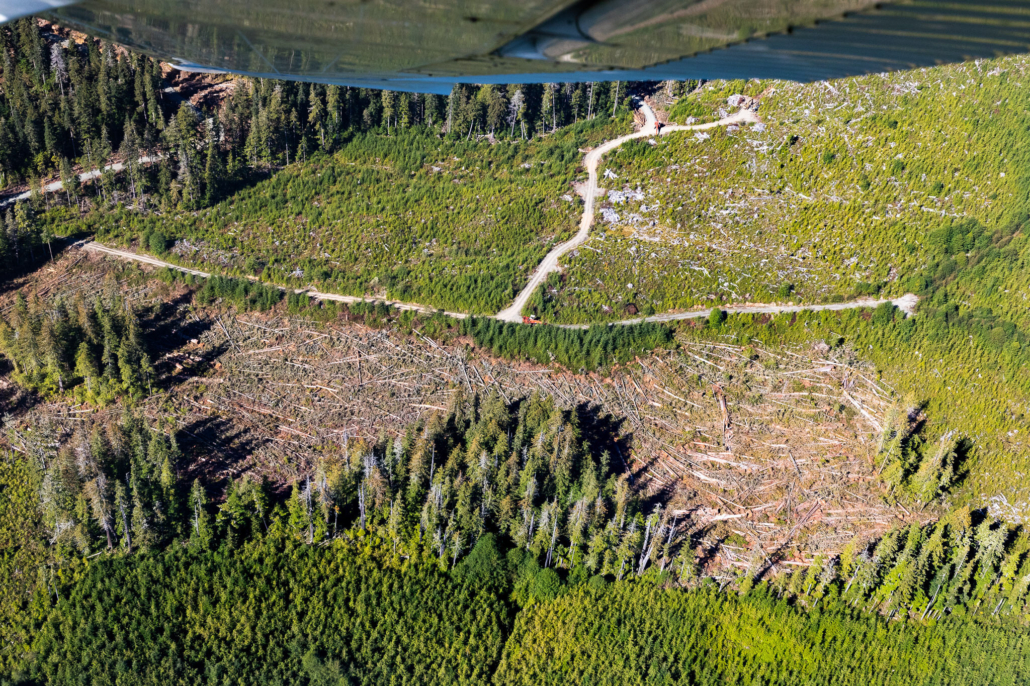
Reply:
x=166, y=330
x=709, y=552
x=603, y=433
x=217, y=452
x=174, y=370
x=14, y=400
x=168, y=334
x=963, y=451
x=662, y=496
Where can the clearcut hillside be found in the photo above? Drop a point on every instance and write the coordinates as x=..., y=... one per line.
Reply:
x=846, y=188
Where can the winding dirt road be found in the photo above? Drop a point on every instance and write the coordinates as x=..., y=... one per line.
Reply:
x=906, y=303
x=83, y=177
x=153, y=261
x=513, y=313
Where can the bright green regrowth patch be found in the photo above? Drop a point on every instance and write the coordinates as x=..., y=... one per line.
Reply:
x=411, y=216
x=841, y=191
x=641, y=635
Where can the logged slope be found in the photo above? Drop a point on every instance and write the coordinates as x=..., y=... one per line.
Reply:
x=789, y=456
x=550, y=263
x=841, y=190
x=409, y=216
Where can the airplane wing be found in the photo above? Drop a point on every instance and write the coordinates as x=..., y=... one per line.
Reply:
x=429, y=45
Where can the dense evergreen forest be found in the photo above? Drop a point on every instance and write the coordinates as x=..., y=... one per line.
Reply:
x=57, y=346
x=576, y=349
x=65, y=103
x=276, y=612
x=68, y=98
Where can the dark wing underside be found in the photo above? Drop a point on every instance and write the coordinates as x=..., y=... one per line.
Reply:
x=422, y=45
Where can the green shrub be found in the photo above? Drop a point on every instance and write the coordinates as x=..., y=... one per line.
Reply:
x=716, y=317
x=157, y=243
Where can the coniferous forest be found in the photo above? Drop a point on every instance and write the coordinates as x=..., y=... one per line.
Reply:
x=98, y=345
